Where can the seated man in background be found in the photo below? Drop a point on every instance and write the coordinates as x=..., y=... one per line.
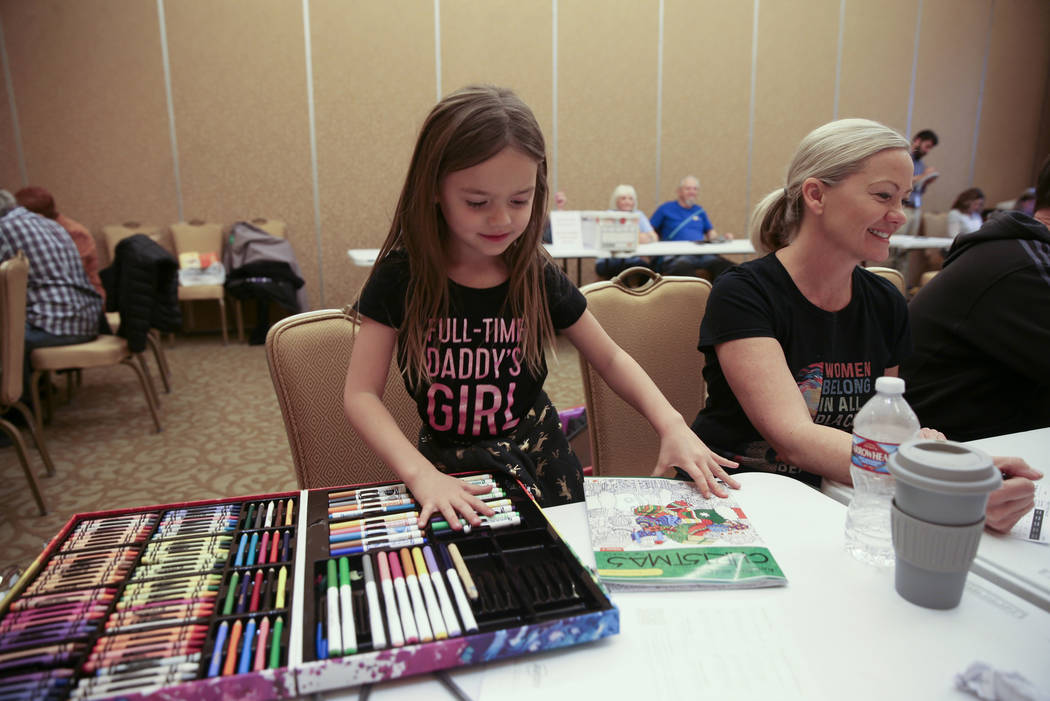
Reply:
x=682, y=219
x=39, y=201
x=981, y=328
x=62, y=308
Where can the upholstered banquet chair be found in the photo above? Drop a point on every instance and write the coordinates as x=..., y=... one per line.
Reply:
x=14, y=273
x=308, y=355
x=197, y=236
x=892, y=274
x=656, y=319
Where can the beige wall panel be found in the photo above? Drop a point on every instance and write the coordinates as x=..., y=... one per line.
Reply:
x=374, y=82
x=520, y=60
x=946, y=91
x=1018, y=61
x=706, y=96
x=10, y=178
x=89, y=86
x=607, y=99
x=795, y=83
x=238, y=76
x=875, y=72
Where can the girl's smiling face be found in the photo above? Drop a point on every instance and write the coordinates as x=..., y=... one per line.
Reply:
x=487, y=206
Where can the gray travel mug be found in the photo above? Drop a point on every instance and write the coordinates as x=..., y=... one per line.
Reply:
x=942, y=489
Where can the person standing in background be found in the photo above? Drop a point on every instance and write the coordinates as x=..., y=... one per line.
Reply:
x=39, y=201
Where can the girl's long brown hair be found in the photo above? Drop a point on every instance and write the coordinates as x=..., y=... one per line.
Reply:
x=464, y=129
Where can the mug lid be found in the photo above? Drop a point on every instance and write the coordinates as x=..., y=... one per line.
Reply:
x=945, y=466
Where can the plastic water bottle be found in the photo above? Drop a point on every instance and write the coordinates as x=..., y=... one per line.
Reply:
x=879, y=428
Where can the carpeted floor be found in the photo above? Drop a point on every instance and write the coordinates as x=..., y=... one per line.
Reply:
x=223, y=436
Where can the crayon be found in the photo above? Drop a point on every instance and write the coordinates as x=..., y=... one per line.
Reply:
x=231, y=650
x=244, y=665
x=282, y=580
x=335, y=635
x=275, y=645
x=216, y=653
x=346, y=605
x=375, y=615
x=416, y=596
x=448, y=613
x=392, y=619
x=260, y=647
x=256, y=590
x=408, y=625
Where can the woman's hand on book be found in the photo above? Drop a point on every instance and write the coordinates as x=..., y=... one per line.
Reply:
x=681, y=448
x=452, y=498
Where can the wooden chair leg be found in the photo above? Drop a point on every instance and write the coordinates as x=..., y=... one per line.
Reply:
x=38, y=436
x=222, y=322
x=20, y=448
x=34, y=393
x=157, y=344
x=145, y=390
x=149, y=379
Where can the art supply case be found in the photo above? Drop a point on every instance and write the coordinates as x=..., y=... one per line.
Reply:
x=533, y=595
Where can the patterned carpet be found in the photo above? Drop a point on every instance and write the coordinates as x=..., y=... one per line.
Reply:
x=223, y=436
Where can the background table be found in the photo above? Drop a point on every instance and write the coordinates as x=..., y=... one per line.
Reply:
x=1019, y=566
x=837, y=630
x=905, y=242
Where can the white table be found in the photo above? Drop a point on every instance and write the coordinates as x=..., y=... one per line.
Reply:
x=838, y=630
x=1019, y=566
x=905, y=242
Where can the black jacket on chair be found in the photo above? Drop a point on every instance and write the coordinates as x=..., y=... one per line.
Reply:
x=142, y=284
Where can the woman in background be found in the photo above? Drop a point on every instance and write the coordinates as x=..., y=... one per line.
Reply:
x=965, y=214
x=625, y=199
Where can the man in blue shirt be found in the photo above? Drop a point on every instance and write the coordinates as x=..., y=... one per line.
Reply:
x=683, y=219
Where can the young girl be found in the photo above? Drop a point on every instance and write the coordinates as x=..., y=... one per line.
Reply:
x=468, y=297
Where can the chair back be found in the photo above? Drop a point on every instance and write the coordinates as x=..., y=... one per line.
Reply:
x=892, y=274
x=197, y=237
x=934, y=224
x=14, y=273
x=115, y=233
x=308, y=356
x=656, y=320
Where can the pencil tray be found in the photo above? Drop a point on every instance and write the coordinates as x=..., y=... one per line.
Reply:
x=532, y=594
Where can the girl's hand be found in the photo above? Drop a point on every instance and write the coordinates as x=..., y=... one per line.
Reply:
x=681, y=448
x=1015, y=498
x=437, y=492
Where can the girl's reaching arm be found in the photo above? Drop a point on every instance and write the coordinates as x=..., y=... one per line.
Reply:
x=363, y=405
x=679, y=446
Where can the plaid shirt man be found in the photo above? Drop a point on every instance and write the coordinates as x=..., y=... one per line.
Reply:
x=59, y=298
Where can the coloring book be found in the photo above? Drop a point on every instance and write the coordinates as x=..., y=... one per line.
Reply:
x=656, y=533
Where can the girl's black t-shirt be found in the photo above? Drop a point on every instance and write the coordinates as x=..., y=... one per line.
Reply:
x=480, y=385
x=835, y=357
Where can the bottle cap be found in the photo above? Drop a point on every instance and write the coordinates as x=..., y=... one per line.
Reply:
x=889, y=385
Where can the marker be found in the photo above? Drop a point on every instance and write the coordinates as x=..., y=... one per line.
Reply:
x=375, y=615
x=260, y=647
x=282, y=580
x=346, y=604
x=245, y=664
x=393, y=621
x=231, y=651
x=412, y=582
x=231, y=592
x=403, y=604
x=438, y=625
x=369, y=503
x=464, y=573
x=496, y=521
x=371, y=510
x=275, y=645
x=335, y=635
x=407, y=530
x=374, y=544
x=469, y=624
x=447, y=611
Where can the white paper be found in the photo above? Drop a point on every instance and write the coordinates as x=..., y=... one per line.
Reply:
x=566, y=229
x=1033, y=526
